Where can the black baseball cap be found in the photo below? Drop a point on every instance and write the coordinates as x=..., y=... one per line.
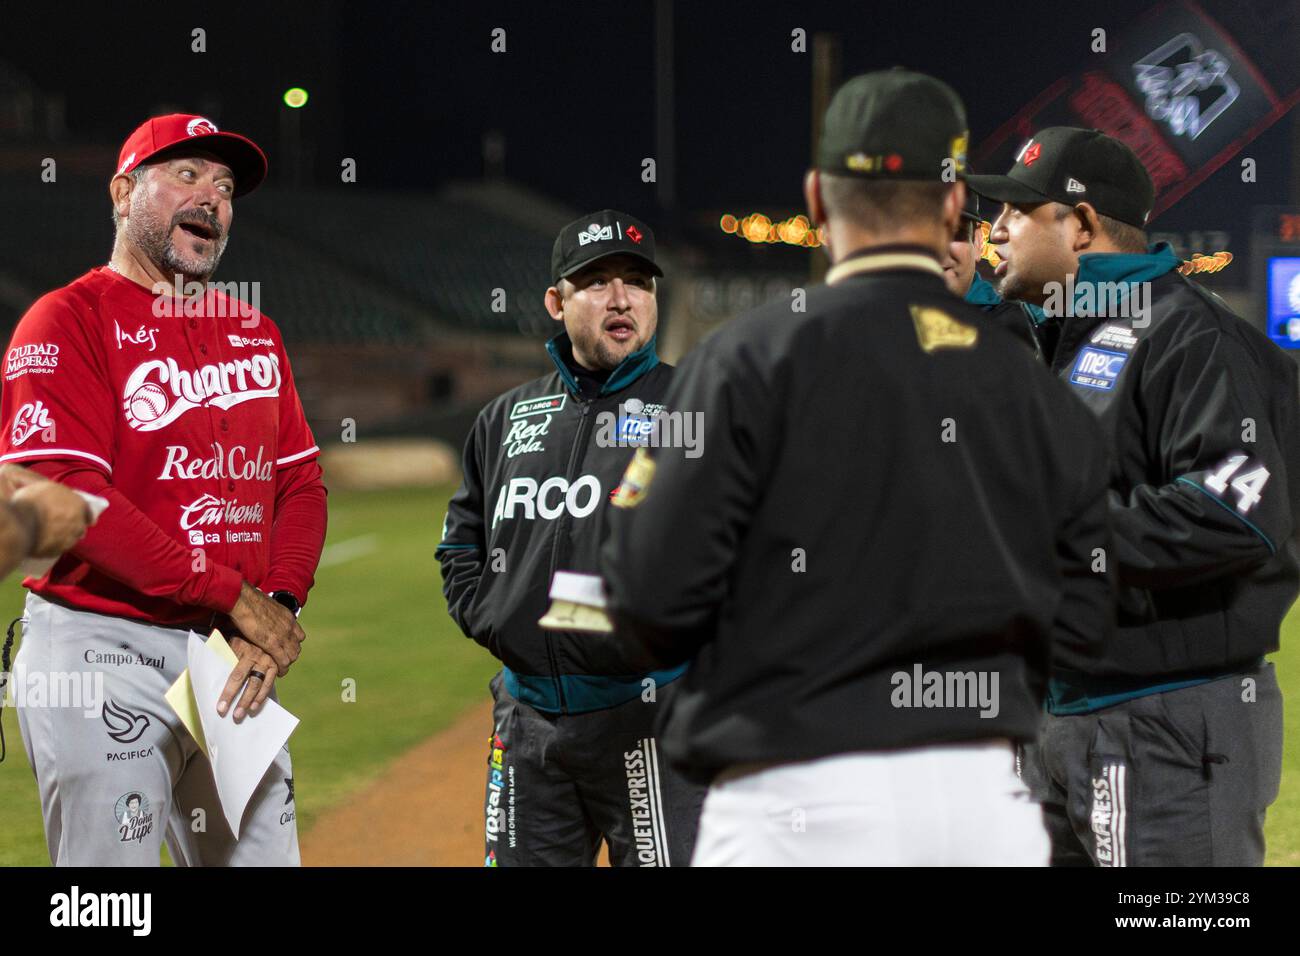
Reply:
x=971, y=210
x=893, y=124
x=600, y=234
x=1069, y=165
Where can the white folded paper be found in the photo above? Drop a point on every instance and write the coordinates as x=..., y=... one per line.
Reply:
x=240, y=753
x=577, y=604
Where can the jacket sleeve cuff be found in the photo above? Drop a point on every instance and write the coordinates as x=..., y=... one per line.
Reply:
x=219, y=588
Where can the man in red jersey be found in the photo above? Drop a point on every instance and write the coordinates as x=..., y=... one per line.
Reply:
x=148, y=385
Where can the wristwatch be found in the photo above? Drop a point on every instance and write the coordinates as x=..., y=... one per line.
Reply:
x=288, y=600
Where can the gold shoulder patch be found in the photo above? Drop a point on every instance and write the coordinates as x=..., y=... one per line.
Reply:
x=936, y=329
x=636, y=481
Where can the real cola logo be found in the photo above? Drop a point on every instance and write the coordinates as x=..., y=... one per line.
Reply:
x=236, y=462
x=159, y=391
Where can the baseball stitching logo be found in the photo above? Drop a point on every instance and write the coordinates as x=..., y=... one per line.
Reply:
x=595, y=233
x=148, y=407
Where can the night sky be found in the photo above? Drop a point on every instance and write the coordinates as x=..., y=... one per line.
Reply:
x=409, y=88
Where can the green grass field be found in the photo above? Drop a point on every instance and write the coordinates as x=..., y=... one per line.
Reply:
x=377, y=616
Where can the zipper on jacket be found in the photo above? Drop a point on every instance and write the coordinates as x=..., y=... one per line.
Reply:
x=1039, y=352
x=561, y=531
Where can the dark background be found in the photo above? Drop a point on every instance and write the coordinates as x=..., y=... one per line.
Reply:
x=409, y=89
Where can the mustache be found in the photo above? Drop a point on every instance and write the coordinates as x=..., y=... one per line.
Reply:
x=197, y=217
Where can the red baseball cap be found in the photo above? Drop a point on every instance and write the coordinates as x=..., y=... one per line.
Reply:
x=165, y=133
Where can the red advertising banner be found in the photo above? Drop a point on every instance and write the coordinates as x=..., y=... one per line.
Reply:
x=1177, y=88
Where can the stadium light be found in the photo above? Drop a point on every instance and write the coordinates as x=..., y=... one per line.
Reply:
x=295, y=97
x=758, y=228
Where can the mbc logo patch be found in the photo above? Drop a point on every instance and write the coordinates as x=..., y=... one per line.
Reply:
x=1097, y=368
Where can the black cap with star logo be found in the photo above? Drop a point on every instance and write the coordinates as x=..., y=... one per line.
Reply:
x=600, y=234
x=1070, y=165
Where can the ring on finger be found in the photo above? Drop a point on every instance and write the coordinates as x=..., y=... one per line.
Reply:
x=258, y=675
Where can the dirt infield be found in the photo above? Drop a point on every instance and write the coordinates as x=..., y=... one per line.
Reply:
x=426, y=809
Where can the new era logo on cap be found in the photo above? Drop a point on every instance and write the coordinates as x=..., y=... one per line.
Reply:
x=1069, y=165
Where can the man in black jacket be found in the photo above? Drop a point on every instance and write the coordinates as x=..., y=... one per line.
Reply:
x=573, y=756
x=962, y=255
x=895, y=508
x=1166, y=748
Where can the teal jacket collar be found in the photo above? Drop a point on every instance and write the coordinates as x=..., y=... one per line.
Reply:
x=982, y=293
x=1124, y=267
x=628, y=371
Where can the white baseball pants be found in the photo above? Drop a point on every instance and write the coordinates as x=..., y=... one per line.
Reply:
x=949, y=805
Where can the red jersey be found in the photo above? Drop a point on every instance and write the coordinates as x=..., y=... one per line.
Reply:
x=193, y=418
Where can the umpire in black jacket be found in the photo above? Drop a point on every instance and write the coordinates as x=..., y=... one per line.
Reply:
x=895, y=509
x=1166, y=749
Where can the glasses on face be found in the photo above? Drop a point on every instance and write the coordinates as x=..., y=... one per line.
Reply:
x=967, y=230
